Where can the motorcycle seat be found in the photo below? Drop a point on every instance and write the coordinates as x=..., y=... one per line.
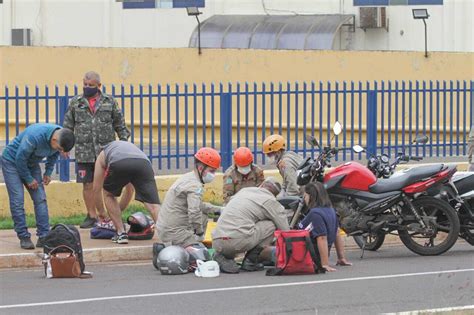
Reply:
x=405, y=178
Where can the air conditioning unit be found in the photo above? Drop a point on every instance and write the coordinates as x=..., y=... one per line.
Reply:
x=372, y=17
x=21, y=36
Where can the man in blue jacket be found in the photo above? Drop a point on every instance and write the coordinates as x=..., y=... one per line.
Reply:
x=20, y=166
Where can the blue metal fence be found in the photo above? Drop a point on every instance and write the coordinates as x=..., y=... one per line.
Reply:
x=170, y=122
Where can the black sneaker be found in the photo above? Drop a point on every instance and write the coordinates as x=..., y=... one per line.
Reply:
x=248, y=265
x=226, y=265
x=26, y=243
x=88, y=223
x=250, y=262
x=40, y=242
x=120, y=238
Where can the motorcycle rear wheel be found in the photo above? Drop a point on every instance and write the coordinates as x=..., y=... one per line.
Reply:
x=374, y=242
x=446, y=219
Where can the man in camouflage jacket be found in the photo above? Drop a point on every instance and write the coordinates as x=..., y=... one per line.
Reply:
x=234, y=181
x=243, y=173
x=95, y=118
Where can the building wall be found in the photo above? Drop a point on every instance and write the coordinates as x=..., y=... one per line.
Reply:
x=103, y=23
x=67, y=65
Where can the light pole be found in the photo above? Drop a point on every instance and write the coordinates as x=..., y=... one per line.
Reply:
x=194, y=11
x=422, y=14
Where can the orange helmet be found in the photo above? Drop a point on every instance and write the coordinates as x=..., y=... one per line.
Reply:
x=273, y=143
x=209, y=157
x=243, y=157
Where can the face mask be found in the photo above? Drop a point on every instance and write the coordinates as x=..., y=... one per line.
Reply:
x=90, y=91
x=244, y=170
x=209, y=177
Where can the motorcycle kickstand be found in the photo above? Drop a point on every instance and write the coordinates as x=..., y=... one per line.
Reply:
x=363, y=249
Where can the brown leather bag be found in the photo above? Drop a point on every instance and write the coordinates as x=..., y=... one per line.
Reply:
x=64, y=262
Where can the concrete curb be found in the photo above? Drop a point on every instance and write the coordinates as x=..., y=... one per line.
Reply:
x=91, y=256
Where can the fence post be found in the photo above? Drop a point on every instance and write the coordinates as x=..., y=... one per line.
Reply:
x=63, y=163
x=226, y=129
x=472, y=104
x=371, y=122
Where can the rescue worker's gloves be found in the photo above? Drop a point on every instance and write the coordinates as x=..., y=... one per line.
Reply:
x=218, y=210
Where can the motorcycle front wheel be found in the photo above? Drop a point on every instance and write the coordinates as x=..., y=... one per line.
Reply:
x=441, y=234
x=372, y=242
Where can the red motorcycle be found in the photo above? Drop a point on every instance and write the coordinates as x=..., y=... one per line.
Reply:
x=369, y=206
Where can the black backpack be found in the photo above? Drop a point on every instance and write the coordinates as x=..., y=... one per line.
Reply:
x=68, y=235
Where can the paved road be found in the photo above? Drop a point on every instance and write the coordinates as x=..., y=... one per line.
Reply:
x=391, y=280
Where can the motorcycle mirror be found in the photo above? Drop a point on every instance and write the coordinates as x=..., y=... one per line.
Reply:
x=337, y=128
x=358, y=149
x=312, y=141
x=422, y=139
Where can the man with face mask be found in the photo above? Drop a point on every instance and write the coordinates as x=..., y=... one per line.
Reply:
x=287, y=163
x=247, y=225
x=95, y=118
x=182, y=219
x=242, y=174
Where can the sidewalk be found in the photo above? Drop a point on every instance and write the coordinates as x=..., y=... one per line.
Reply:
x=95, y=251
x=100, y=251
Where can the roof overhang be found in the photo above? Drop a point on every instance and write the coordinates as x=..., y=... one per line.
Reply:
x=300, y=32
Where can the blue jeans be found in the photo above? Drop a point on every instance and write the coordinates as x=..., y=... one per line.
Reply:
x=16, y=195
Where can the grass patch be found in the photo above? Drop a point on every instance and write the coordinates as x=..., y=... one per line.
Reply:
x=6, y=223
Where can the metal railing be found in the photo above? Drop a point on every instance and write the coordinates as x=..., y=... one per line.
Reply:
x=170, y=122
